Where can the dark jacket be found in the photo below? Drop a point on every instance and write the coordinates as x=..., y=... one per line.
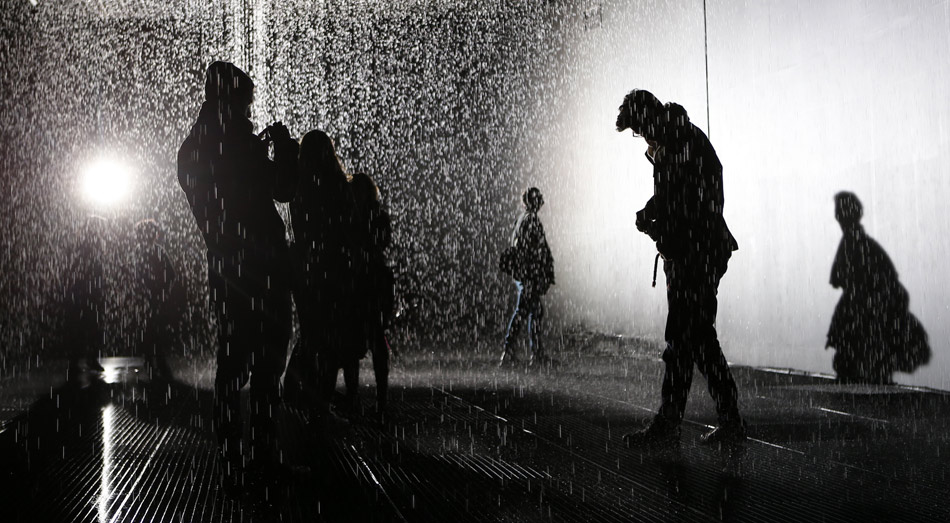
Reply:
x=537, y=263
x=684, y=216
x=322, y=214
x=862, y=266
x=231, y=185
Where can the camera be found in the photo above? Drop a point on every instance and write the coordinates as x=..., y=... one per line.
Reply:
x=272, y=132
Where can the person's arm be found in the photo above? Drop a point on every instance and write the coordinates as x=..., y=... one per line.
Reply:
x=646, y=215
x=382, y=230
x=196, y=180
x=839, y=268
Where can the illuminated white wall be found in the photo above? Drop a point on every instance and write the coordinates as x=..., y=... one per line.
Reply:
x=806, y=99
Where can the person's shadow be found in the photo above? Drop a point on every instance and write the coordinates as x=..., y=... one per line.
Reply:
x=872, y=331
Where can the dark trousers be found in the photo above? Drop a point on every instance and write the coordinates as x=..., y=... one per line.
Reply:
x=691, y=339
x=528, y=308
x=254, y=329
x=367, y=335
x=324, y=308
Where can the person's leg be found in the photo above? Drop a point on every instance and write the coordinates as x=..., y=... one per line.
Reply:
x=535, y=323
x=269, y=330
x=707, y=353
x=514, y=325
x=351, y=378
x=381, y=371
x=231, y=376
x=328, y=367
x=301, y=369
x=156, y=342
x=677, y=357
x=677, y=380
x=664, y=429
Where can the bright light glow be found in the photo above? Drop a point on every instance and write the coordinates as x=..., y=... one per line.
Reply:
x=106, y=182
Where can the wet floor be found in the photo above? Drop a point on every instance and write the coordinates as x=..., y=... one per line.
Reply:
x=467, y=441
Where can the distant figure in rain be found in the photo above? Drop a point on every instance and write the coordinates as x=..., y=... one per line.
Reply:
x=684, y=218
x=158, y=290
x=84, y=300
x=375, y=284
x=531, y=265
x=231, y=184
x=322, y=216
x=872, y=331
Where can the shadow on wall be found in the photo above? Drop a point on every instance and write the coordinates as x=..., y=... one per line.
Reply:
x=872, y=331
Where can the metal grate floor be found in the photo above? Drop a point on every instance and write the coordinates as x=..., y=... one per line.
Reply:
x=468, y=442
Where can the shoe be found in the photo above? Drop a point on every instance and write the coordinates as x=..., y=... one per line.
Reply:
x=660, y=432
x=731, y=433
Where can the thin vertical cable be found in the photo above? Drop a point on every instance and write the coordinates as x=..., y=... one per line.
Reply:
x=706, y=52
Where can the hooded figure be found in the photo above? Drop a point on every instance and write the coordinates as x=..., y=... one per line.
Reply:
x=231, y=184
x=872, y=331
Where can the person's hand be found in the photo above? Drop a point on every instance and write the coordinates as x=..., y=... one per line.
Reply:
x=279, y=132
x=642, y=223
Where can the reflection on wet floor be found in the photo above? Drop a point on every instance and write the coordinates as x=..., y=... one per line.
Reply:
x=469, y=442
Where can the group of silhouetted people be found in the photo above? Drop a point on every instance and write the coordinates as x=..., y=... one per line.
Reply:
x=343, y=288
x=336, y=275
x=335, y=272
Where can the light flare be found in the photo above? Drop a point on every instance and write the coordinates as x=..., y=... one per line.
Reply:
x=106, y=181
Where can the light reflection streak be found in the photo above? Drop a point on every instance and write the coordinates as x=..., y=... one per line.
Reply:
x=104, y=488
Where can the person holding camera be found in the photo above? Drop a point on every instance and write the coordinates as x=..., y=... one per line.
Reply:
x=529, y=262
x=231, y=184
x=684, y=217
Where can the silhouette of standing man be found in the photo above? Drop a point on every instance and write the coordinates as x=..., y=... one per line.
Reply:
x=684, y=218
x=231, y=185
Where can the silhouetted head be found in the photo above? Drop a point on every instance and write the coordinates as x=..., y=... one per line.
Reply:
x=532, y=199
x=675, y=122
x=318, y=155
x=640, y=111
x=226, y=83
x=848, y=209
x=147, y=232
